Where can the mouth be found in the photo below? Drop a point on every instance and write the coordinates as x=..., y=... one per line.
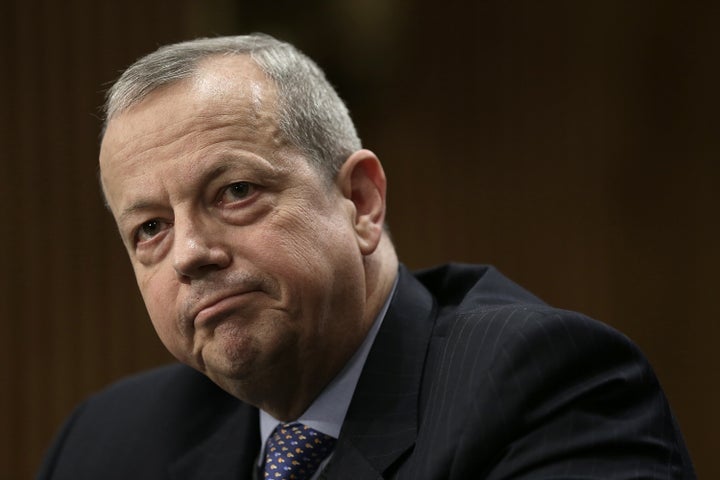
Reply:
x=217, y=309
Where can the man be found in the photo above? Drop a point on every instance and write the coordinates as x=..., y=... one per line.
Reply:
x=254, y=222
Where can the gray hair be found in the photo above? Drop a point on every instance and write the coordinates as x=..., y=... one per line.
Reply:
x=310, y=113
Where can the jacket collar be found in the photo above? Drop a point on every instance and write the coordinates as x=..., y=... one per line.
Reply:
x=382, y=421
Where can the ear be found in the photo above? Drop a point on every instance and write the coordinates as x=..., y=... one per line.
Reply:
x=362, y=181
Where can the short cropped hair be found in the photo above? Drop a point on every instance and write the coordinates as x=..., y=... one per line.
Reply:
x=310, y=113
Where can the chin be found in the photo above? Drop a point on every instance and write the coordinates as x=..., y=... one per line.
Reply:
x=240, y=377
x=239, y=358
x=230, y=359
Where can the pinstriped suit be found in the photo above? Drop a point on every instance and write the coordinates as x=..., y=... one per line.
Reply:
x=469, y=377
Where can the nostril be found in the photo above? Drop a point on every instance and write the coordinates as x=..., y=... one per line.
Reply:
x=199, y=260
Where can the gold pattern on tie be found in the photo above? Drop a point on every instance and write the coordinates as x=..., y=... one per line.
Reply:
x=294, y=452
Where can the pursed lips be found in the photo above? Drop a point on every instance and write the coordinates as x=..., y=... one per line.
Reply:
x=219, y=307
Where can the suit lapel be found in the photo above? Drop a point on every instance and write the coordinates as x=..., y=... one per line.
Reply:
x=230, y=451
x=381, y=424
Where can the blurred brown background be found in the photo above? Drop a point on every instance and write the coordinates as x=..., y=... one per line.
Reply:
x=572, y=144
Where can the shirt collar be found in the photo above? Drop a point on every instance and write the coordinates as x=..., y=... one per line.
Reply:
x=327, y=413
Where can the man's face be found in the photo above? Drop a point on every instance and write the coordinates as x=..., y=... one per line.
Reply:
x=246, y=258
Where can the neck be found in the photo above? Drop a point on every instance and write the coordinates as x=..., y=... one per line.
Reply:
x=295, y=398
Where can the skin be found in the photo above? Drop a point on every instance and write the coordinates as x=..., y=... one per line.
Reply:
x=255, y=269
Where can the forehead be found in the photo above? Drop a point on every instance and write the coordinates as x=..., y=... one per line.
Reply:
x=228, y=101
x=226, y=92
x=221, y=86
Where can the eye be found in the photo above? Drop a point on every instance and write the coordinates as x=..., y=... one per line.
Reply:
x=236, y=192
x=149, y=229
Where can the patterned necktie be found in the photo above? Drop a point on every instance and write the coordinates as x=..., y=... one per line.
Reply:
x=294, y=451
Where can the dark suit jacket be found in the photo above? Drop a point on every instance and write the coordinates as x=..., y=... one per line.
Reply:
x=469, y=377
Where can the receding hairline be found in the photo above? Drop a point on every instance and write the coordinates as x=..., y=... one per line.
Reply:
x=310, y=113
x=195, y=70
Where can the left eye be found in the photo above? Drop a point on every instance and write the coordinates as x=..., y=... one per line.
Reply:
x=236, y=191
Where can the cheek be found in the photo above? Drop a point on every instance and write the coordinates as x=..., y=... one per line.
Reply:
x=315, y=233
x=315, y=260
x=159, y=300
x=309, y=251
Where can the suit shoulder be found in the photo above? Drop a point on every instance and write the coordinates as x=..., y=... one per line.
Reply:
x=137, y=425
x=534, y=332
x=479, y=300
x=470, y=287
x=530, y=375
x=148, y=384
x=153, y=400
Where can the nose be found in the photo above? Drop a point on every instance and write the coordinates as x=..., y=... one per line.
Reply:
x=198, y=250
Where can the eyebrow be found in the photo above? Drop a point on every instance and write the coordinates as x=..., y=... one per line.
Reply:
x=138, y=206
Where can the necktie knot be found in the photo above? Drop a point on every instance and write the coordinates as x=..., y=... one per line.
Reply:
x=295, y=451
